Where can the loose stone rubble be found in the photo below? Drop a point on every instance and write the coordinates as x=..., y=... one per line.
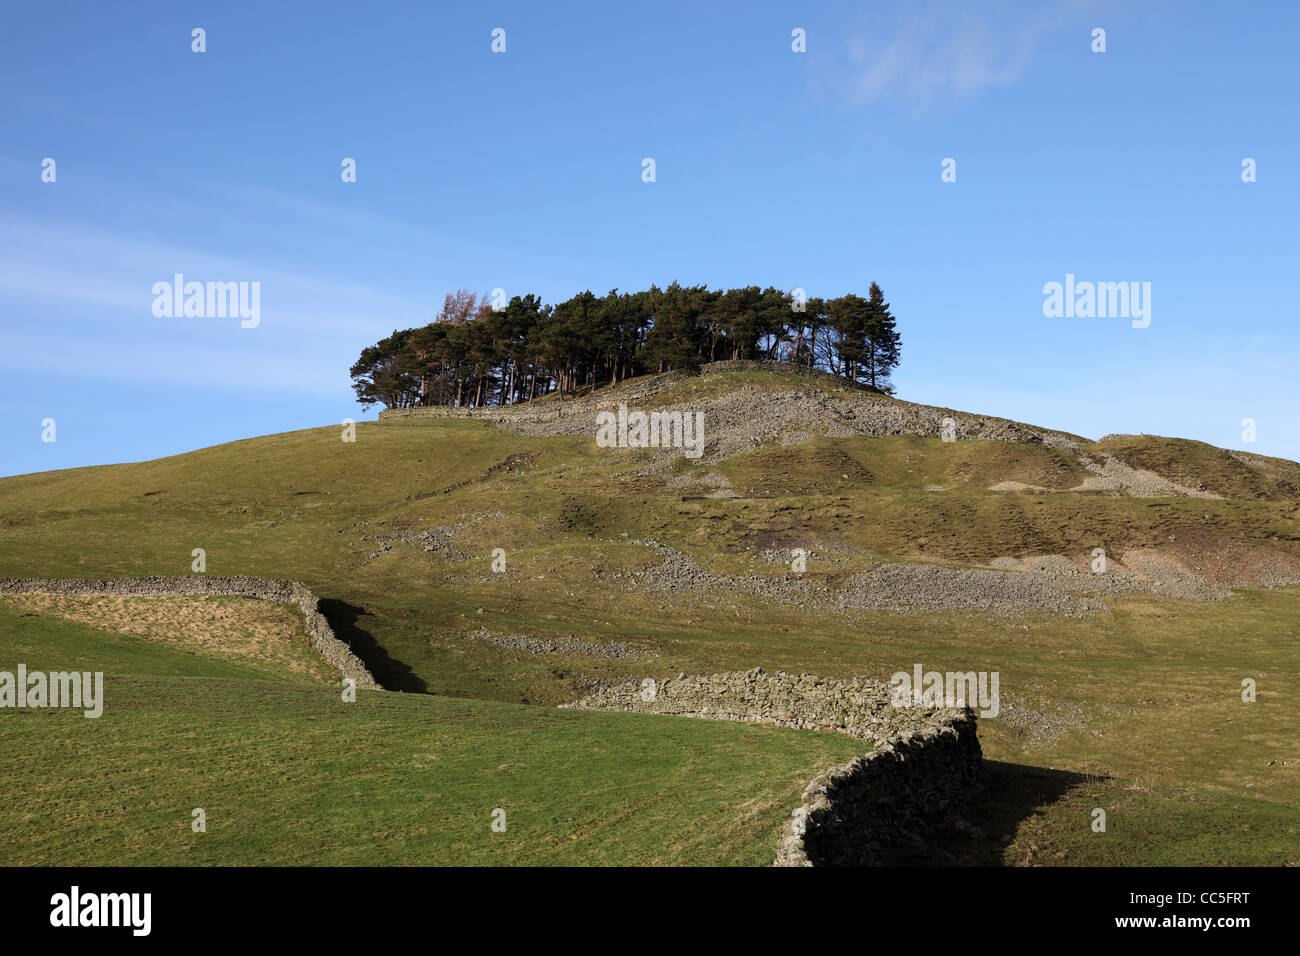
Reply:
x=563, y=645
x=1009, y=588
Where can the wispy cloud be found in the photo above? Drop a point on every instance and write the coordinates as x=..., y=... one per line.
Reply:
x=87, y=265
x=77, y=300
x=932, y=54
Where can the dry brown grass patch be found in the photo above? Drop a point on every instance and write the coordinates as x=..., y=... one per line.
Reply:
x=230, y=627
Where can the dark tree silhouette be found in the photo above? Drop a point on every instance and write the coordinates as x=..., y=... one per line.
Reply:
x=475, y=355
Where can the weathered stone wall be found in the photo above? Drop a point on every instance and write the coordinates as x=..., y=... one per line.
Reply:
x=553, y=409
x=923, y=766
x=858, y=707
x=637, y=392
x=323, y=638
x=858, y=814
x=768, y=365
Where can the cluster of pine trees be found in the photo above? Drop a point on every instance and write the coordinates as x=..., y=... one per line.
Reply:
x=474, y=355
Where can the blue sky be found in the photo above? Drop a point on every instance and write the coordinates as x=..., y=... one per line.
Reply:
x=522, y=171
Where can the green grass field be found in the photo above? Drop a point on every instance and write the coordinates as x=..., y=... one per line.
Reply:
x=1161, y=739
x=287, y=772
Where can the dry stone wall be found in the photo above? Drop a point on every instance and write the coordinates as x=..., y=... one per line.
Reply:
x=327, y=644
x=858, y=707
x=923, y=766
x=553, y=409
x=768, y=365
x=858, y=815
x=636, y=392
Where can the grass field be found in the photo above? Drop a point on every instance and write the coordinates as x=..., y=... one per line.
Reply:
x=289, y=773
x=1146, y=699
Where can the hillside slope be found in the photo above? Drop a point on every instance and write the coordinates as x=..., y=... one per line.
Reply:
x=398, y=528
x=977, y=553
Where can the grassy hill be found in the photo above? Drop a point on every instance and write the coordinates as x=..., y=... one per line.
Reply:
x=1135, y=708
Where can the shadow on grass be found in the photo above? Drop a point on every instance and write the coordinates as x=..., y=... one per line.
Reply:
x=391, y=673
x=980, y=836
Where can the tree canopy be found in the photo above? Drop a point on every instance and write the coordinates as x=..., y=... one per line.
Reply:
x=473, y=354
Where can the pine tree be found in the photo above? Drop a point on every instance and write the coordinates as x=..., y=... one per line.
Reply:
x=883, y=342
x=473, y=355
x=674, y=339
